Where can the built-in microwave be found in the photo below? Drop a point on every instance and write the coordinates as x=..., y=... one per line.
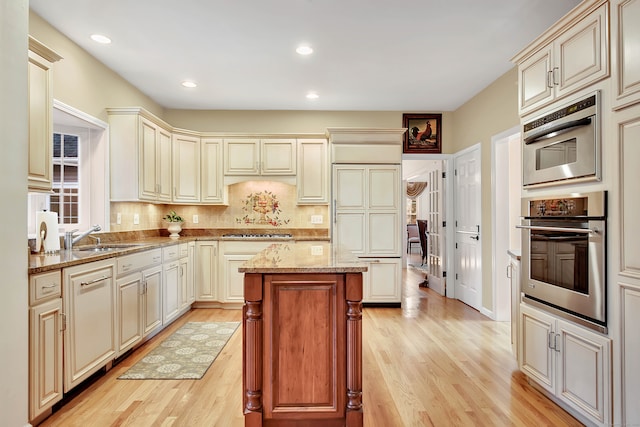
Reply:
x=563, y=145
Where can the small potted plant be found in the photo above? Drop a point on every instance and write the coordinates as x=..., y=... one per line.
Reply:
x=175, y=223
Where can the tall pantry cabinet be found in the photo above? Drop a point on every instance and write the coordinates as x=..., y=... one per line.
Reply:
x=367, y=205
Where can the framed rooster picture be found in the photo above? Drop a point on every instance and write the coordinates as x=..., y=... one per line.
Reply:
x=423, y=134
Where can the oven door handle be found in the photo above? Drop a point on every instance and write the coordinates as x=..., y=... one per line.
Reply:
x=565, y=229
x=556, y=130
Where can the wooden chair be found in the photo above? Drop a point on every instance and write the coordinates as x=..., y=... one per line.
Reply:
x=422, y=234
x=412, y=236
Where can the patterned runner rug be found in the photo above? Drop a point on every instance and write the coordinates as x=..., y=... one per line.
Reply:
x=186, y=354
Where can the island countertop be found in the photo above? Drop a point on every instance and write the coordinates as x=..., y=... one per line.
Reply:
x=303, y=257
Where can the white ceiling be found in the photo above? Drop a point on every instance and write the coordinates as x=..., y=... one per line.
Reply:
x=389, y=55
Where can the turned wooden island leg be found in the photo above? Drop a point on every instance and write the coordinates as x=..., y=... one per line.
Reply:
x=252, y=350
x=354, y=350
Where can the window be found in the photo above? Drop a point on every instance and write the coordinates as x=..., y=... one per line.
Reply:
x=66, y=178
x=80, y=193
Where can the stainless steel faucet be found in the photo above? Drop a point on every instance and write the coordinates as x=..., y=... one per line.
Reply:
x=70, y=238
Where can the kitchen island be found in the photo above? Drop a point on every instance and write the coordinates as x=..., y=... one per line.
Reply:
x=302, y=336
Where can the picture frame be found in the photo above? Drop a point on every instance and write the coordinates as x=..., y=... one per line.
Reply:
x=424, y=133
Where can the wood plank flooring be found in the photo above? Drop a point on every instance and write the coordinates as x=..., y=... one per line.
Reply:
x=436, y=362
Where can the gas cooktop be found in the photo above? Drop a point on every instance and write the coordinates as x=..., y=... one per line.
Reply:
x=258, y=235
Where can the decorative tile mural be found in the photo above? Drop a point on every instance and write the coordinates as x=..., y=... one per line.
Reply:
x=262, y=208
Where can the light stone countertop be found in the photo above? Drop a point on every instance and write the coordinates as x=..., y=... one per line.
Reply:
x=303, y=257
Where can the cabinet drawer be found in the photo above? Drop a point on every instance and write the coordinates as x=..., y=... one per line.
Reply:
x=170, y=253
x=137, y=261
x=44, y=286
x=184, y=250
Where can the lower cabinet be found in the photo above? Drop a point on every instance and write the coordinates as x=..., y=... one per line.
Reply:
x=90, y=337
x=232, y=255
x=571, y=363
x=45, y=343
x=206, y=271
x=383, y=281
x=513, y=273
x=172, y=291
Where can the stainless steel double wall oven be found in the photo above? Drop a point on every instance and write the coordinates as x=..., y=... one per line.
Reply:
x=564, y=256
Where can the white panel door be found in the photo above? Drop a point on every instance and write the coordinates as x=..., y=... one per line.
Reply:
x=435, y=256
x=468, y=283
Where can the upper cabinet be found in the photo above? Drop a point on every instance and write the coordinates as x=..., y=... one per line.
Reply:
x=212, y=189
x=626, y=64
x=259, y=157
x=140, y=156
x=313, y=172
x=572, y=55
x=186, y=168
x=41, y=60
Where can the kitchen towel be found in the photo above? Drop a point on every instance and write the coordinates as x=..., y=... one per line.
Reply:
x=47, y=231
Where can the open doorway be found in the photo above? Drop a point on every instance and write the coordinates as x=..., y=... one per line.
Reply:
x=425, y=200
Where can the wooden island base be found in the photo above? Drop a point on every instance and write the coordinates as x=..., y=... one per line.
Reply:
x=302, y=348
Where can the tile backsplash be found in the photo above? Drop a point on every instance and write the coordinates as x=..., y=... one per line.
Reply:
x=252, y=204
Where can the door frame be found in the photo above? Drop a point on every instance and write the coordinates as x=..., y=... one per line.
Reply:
x=500, y=243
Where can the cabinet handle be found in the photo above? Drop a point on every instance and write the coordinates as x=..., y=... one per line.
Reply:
x=509, y=271
x=64, y=322
x=94, y=281
x=555, y=343
x=555, y=81
x=335, y=211
x=48, y=288
x=125, y=267
x=156, y=258
x=549, y=77
x=550, y=338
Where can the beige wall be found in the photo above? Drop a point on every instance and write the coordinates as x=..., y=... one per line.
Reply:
x=492, y=111
x=84, y=83
x=81, y=81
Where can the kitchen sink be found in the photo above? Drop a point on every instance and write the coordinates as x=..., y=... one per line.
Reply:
x=109, y=247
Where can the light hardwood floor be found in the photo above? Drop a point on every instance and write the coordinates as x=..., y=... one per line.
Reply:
x=435, y=362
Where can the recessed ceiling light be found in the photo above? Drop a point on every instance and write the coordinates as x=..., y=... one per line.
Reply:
x=312, y=95
x=99, y=38
x=188, y=83
x=304, y=50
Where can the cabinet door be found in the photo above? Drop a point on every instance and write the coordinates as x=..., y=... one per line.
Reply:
x=313, y=172
x=582, y=53
x=206, y=271
x=535, y=85
x=171, y=291
x=45, y=356
x=40, y=123
x=129, y=306
x=583, y=371
x=232, y=280
x=382, y=283
x=186, y=168
x=383, y=237
x=148, y=156
x=349, y=231
x=241, y=157
x=626, y=33
x=163, y=177
x=630, y=347
x=184, y=272
x=211, y=172
x=383, y=186
x=278, y=156
x=152, y=300
x=538, y=358
x=90, y=339
x=514, y=276
x=349, y=187
x=191, y=279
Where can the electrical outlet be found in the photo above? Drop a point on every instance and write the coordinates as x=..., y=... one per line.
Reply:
x=195, y=219
x=316, y=219
x=316, y=250
x=118, y=218
x=136, y=219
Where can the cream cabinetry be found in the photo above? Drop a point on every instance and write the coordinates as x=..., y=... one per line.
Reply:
x=40, y=165
x=232, y=255
x=90, y=338
x=140, y=145
x=625, y=286
x=206, y=271
x=253, y=157
x=625, y=33
x=573, y=56
x=313, y=172
x=382, y=283
x=186, y=168
x=172, y=285
x=571, y=363
x=211, y=178
x=138, y=297
x=45, y=342
x=185, y=277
